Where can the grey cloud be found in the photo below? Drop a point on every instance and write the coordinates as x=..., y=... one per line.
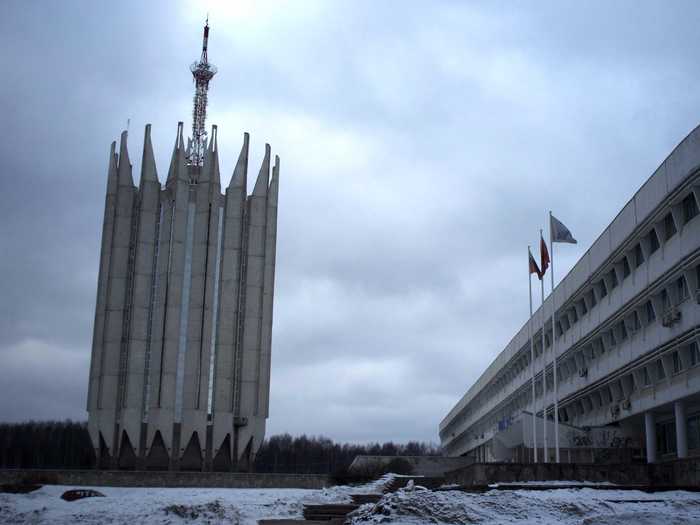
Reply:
x=422, y=146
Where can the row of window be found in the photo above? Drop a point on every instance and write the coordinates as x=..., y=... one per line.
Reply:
x=623, y=268
x=670, y=364
x=680, y=360
x=666, y=435
x=621, y=331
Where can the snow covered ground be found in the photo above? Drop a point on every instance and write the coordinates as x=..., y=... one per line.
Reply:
x=585, y=506
x=176, y=505
x=153, y=505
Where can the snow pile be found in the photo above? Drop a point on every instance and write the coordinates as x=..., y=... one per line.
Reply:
x=171, y=505
x=411, y=506
x=561, y=506
x=154, y=505
x=343, y=493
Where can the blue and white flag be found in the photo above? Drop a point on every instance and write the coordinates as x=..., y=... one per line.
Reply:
x=560, y=233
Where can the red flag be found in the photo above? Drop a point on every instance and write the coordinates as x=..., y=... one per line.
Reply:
x=533, y=266
x=544, y=257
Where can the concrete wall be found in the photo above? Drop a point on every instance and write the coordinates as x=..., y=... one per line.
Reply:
x=485, y=473
x=678, y=473
x=422, y=465
x=122, y=478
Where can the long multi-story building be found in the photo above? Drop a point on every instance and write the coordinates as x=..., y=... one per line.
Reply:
x=180, y=369
x=627, y=332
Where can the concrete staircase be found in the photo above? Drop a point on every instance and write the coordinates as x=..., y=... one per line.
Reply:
x=336, y=513
x=328, y=511
x=399, y=482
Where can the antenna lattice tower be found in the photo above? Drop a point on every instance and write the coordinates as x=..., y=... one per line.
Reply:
x=202, y=72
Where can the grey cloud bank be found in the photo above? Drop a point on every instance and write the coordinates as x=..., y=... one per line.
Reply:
x=422, y=148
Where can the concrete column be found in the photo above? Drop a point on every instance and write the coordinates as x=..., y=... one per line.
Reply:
x=681, y=430
x=650, y=429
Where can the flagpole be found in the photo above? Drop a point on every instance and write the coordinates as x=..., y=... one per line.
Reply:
x=544, y=376
x=532, y=361
x=554, y=353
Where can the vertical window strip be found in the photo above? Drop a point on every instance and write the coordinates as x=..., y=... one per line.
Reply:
x=215, y=312
x=184, y=314
x=128, y=300
x=155, y=280
x=165, y=300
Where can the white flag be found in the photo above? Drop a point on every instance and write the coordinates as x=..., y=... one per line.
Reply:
x=560, y=233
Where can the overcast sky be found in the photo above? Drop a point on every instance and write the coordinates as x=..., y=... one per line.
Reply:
x=421, y=144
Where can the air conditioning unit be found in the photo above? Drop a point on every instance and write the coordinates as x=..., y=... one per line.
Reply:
x=626, y=404
x=583, y=372
x=675, y=314
x=671, y=316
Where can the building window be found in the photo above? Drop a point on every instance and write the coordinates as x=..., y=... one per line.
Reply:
x=608, y=395
x=694, y=353
x=601, y=346
x=638, y=256
x=669, y=226
x=653, y=241
x=623, y=331
x=681, y=289
x=647, y=377
x=693, y=429
x=594, y=302
x=665, y=300
x=651, y=315
x=574, y=315
x=660, y=372
x=625, y=268
x=690, y=207
x=676, y=363
x=635, y=320
x=613, y=279
x=603, y=288
x=666, y=438
x=583, y=307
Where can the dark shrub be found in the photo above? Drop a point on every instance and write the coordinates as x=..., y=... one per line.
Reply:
x=398, y=465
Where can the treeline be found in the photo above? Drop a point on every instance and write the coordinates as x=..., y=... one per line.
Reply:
x=320, y=455
x=66, y=444
x=45, y=444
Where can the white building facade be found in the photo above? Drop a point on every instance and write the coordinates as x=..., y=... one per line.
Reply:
x=627, y=341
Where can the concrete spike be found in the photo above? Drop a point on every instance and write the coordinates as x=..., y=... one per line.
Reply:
x=210, y=169
x=274, y=183
x=240, y=173
x=148, y=162
x=124, y=169
x=112, y=182
x=177, y=161
x=264, y=175
x=214, y=149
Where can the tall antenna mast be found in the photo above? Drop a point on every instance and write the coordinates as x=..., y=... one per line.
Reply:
x=202, y=72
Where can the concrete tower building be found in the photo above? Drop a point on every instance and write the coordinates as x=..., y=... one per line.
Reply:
x=180, y=370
